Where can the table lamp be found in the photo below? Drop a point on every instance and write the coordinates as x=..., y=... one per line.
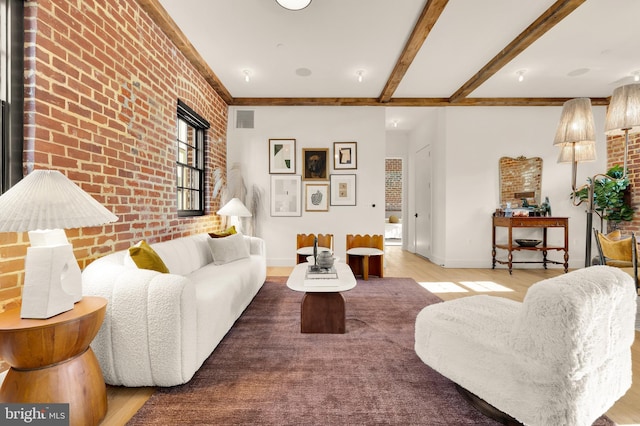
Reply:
x=236, y=209
x=44, y=203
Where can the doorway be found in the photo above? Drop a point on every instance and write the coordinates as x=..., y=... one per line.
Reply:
x=423, y=203
x=393, y=201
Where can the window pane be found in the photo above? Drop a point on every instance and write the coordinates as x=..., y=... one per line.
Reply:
x=182, y=130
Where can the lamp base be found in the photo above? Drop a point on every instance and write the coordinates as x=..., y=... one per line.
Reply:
x=53, y=281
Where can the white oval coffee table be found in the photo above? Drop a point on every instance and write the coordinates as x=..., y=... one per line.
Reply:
x=323, y=307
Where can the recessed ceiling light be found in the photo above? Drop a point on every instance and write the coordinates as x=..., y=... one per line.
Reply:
x=360, y=74
x=303, y=72
x=636, y=75
x=247, y=75
x=294, y=4
x=577, y=72
x=394, y=123
x=520, y=74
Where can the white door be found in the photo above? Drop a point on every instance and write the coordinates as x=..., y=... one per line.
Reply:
x=422, y=214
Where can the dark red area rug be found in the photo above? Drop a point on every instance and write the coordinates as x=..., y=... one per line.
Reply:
x=265, y=372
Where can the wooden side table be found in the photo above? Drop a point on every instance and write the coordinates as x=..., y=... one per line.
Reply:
x=51, y=361
x=543, y=222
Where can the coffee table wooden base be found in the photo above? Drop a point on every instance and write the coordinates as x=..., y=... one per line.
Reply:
x=323, y=313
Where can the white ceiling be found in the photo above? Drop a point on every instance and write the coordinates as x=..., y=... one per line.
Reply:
x=599, y=42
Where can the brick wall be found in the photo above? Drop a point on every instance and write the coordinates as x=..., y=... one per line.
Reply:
x=615, y=155
x=101, y=89
x=393, y=184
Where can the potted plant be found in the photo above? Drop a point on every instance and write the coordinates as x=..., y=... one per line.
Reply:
x=611, y=196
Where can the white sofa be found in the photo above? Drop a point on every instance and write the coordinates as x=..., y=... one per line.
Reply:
x=160, y=328
x=562, y=357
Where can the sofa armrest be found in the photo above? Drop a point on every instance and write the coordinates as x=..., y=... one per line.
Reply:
x=256, y=245
x=148, y=336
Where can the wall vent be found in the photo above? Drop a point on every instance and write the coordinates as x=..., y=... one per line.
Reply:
x=244, y=119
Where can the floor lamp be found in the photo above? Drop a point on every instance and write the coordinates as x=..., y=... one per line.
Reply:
x=576, y=136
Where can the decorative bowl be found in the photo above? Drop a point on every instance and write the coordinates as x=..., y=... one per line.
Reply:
x=528, y=243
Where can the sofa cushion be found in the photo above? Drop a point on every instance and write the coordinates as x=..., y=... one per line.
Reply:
x=185, y=255
x=146, y=258
x=228, y=249
x=229, y=231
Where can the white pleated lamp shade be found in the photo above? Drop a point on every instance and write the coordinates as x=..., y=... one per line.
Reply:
x=47, y=199
x=576, y=122
x=624, y=111
x=235, y=207
x=584, y=152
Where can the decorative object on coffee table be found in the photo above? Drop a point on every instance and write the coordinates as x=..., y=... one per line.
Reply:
x=304, y=245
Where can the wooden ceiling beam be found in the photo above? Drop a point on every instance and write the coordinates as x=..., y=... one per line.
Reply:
x=421, y=30
x=408, y=102
x=552, y=16
x=160, y=16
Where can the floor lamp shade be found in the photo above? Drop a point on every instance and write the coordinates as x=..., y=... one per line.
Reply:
x=623, y=114
x=578, y=152
x=576, y=123
x=44, y=203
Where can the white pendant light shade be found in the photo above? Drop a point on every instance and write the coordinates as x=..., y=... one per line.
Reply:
x=624, y=111
x=47, y=199
x=584, y=152
x=294, y=4
x=576, y=122
x=235, y=207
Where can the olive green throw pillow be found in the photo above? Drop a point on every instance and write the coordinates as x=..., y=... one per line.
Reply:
x=229, y=231
x=616, y=249
x=146, y=258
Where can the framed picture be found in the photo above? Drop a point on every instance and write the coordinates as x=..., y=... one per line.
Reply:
x=316, y=197
x=285, y=195
x=282, y=156
x=345, y=155
x=315, y=165
x=343, y=190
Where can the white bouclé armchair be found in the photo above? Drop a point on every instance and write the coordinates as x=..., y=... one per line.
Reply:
x=562, y=357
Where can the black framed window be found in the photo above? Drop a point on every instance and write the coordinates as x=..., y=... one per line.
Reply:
x=11, y=92
x=190, y=164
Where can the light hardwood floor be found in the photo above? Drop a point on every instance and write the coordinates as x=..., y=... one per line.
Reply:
x=124, y=402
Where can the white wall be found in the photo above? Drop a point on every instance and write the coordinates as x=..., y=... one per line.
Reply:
x=466, y=145
x=469, y=143
x=313, y=127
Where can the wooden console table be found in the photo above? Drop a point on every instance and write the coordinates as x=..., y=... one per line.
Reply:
x=530, y=222
x=51, y=361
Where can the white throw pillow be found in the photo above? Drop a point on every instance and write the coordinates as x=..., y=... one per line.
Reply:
x=228, y=249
